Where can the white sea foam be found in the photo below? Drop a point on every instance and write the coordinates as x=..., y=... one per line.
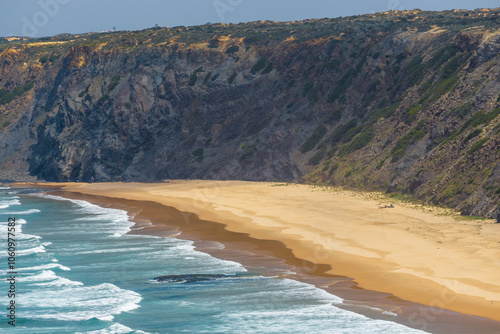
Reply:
x=115, y=328
x=390, y=313
x=4, y=188
x=25, y=212
x=80, y=303
x=60, y=281
x=19, y=234
x=44, y=266
x=4, y=204
x=116, y=250
x=306, y=290
x=49, y=296
x=323, y=318
x=118, y=221
x=49, y=278
x=27, y=244
x=34, y=250
x=45, y=275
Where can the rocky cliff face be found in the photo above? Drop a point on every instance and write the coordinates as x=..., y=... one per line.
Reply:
x=404, y=102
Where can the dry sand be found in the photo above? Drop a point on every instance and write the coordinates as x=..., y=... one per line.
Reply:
x=421, y=254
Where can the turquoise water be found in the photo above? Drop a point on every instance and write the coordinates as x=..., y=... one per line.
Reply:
x=78, y=271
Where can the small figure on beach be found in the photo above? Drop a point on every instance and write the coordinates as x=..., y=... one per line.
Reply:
x=380, y=206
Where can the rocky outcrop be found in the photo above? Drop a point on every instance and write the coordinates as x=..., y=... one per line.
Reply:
x=404, y=102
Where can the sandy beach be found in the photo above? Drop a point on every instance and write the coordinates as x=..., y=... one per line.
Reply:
x=426, y=255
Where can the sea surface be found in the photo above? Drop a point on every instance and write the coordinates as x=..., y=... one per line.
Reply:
x=80, y=271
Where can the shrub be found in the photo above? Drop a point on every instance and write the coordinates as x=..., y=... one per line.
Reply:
x=232, y=49
x=349, y=135
x=316, y=159
x=259, y=66
x=207, y=77
x=480, y=118
x=215, y=77
x=248, y=153
x=5, y=124
x=383, y=113
x=410, y=114
x=380, y=165
x=332, y=152
x=451, y=67
x=53, y=58
x=43, y=59
x=192, y=79
x=333, y=116
x=477, y=146
x=194, y=76
x=314, y=139
x=441, y=88
x=403, y=143
x=462, y=110
x=103, y=98
x=213, y=43
x=230, y=80
x=443, y=55
x=334, y=168
x=326, y=165
x=473, y=134
x=415, y=71
x=115, y=80
x=268, y=68
x=7, y=97
x=400, y=57
x=342, y=85
x=360, y=141
x=28, y=87
x=345, y=81
x=198, y=154
x=85, y=91
x=342, y=130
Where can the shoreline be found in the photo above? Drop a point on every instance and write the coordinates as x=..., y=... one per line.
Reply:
x=376, y=281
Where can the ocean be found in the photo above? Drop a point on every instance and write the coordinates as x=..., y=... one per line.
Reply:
x=78, y=270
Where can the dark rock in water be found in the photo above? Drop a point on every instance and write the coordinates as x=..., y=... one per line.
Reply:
x=190, y=278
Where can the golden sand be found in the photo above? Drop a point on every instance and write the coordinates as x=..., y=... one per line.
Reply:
x=420, y=254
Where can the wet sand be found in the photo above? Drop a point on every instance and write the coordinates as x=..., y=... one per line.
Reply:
x=409, y=261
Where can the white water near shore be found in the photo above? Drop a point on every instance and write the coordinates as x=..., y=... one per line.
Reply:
x=79, y=271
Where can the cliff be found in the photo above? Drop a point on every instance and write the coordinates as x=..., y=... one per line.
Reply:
x=403, y=102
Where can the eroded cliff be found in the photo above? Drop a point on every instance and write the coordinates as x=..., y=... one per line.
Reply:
x=404, y=102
